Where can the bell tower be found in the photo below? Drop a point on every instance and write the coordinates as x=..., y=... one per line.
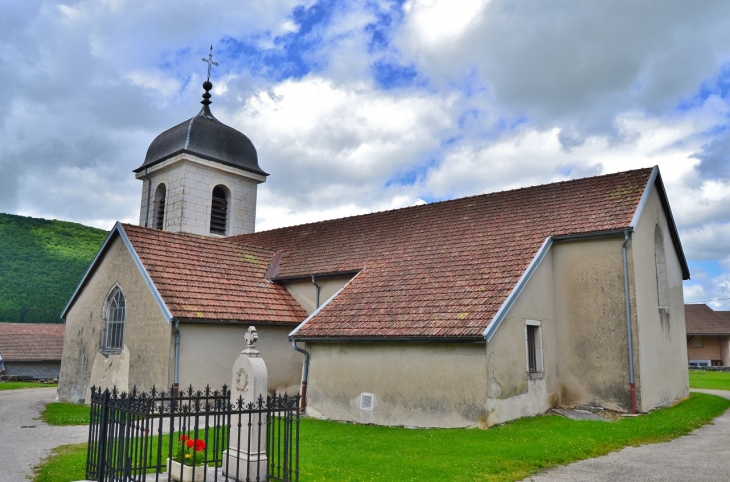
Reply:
x=200, y=176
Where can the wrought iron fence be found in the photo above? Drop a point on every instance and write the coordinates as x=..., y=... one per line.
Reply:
x=192, y=435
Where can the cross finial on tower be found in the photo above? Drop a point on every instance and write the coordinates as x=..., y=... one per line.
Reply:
x=209, y=61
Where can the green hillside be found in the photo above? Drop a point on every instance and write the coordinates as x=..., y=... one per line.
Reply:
x=41, y=262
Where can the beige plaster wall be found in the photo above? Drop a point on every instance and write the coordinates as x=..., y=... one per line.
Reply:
x=510, y=392
x=591, y=322
x=145, y=359
x=662, y=339
x=306, y=293
x=207, y=353
x=414, y=384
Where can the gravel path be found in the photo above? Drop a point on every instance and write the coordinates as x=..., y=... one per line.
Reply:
x=23, y=448
x=701, y=455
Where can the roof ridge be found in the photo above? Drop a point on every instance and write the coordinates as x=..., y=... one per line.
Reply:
x=446, y=201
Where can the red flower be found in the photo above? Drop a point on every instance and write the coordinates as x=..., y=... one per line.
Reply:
x=199, y=445
x=183, y=437
x=189, y=442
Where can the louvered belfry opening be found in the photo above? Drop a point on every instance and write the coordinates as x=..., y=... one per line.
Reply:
x=219, y=211
x=160, y=207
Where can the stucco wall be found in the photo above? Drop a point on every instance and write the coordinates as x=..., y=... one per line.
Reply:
x=414, y=384
x=207, y=353
x=511, y=394
x=189, y=182
x=591, y=322
x=661, y=339
x=145, y=359
x=306, y=293
x=32, y=369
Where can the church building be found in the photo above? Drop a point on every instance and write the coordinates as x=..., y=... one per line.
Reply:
x=459, y=313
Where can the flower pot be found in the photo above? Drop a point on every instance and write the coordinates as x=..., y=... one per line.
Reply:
x=173, y=468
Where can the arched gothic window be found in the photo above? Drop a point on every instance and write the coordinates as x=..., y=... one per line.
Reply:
x=115, y=309
x=160, y=206
x=662, y=279
x=219, y=210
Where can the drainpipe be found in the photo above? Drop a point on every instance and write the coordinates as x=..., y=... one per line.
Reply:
x=318, y=290
x=632, y=386
x=176, y=381
x=305, y=376
x=149, y=193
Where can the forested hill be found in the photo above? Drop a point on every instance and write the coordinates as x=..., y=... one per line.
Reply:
x=41, y=262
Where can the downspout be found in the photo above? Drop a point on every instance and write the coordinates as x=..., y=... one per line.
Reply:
x=176, y=380
x=305, y=376
x=632, y=385
x=149, y=194
x=318, y=290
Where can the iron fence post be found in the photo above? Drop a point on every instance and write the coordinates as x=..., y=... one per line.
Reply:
x=101, y=462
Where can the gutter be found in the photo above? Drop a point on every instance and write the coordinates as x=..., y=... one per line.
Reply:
x=632, y=385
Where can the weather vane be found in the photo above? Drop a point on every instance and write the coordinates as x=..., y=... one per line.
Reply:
x=209, y=61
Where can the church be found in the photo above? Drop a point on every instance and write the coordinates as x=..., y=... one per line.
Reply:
x=460, y=313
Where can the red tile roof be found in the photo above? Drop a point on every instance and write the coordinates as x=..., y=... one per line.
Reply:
x=203, y=278
x=703, y=320
x=444, y=269
x=31, y=341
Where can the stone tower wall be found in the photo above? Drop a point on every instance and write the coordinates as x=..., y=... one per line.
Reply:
x=189, y=183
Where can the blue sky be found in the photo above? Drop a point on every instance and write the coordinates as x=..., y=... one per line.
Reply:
x=359, y=106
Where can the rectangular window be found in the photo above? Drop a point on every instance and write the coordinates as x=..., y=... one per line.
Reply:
x=696, y=341
x=533, y=342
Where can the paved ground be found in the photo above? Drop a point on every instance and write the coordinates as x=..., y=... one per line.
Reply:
x=23, y=448
x=701, y=455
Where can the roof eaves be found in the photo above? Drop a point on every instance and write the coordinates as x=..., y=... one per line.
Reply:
x=321, y=307
x=145, y=275
x=378, y=339
x=512, y=298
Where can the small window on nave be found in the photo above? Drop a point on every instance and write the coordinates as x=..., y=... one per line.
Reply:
x=160, y=206
x=219, y=211
x=112, y=333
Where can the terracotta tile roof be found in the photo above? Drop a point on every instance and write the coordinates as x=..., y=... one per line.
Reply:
x=31, y=341
x=205, y=278
x=703, y=320
x=444, y=269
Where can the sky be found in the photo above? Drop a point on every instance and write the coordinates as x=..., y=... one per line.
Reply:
x=361, y=106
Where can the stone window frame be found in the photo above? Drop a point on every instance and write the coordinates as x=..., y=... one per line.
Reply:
x=660, y=265
x=533, y=350
x=228, y=198
x=158, y=223
x=104, y=347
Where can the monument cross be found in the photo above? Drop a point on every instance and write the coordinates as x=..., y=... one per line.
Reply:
x=209, y=61
x=251, y=336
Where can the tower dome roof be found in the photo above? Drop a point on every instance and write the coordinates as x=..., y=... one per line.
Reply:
x=207, y=137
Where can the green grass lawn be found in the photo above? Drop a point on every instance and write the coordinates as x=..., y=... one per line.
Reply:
x=332, y=451
x=61, y=413
x=18, y=385
x=710, y=380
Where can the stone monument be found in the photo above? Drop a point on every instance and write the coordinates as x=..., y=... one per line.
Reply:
x=249, y=378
